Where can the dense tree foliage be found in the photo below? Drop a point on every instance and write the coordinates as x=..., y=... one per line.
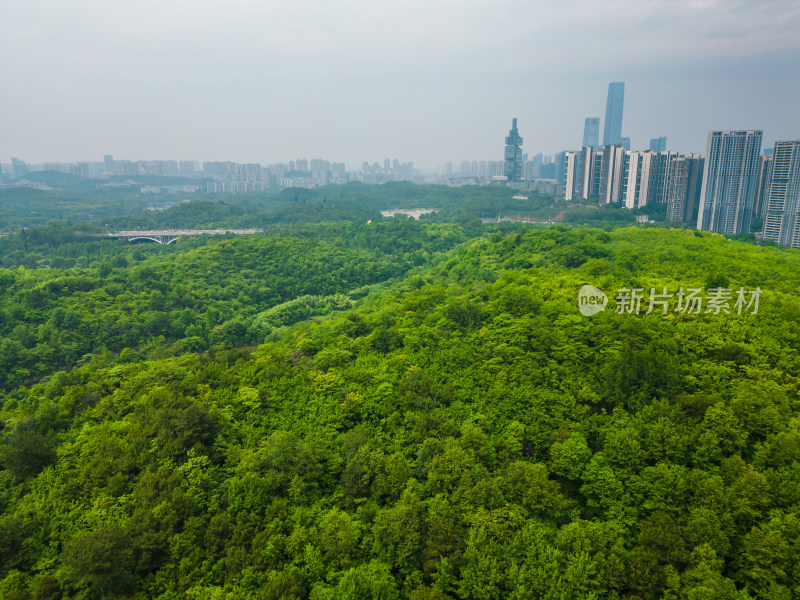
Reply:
x=461, y=433
x=119, y=204
x=27, y=207
x=232, y=291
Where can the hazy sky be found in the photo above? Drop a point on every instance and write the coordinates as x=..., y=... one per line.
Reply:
x=353, y=80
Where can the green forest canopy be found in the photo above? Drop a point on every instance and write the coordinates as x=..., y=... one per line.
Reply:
x=458, y=432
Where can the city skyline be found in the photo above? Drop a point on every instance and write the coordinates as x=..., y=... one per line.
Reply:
x=260, y=82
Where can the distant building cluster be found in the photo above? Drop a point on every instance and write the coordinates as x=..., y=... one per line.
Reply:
x=733, y=189
x=224, y=176
x=635, y=179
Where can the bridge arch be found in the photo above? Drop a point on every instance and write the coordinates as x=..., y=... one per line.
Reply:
x=144, y=239
x=158, y=239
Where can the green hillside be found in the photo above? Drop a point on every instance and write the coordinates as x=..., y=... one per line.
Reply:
x=201, y=292
x=460, y=432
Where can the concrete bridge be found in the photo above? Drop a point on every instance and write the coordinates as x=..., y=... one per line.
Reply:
x=167, y=236
x=518, y=219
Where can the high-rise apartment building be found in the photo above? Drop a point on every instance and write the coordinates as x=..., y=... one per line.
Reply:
x=782, y=217
x=590, y=172
x=612, y=176
x=597, y=172
x=527, y=169
x=762, y=189
x=612, y=128
x=683, y=187
x=559, y=160
x=586, y=173
x=638, y=179
x=694, y=185
x=676, y=198
x=730, y=179
x=571, y=175
x=512, y=167
x=659, y=176
x=591, y=132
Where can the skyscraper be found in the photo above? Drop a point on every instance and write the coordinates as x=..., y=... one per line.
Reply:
x=729, y=181
x=512, y=167
x=782, y=218
x=676, y=194
x=658, y=144
x=659, y=176
x=695, y=184
x=638, y=179
x=612, y=176
x=571, y=175
x=586, y=173
x=560, y=159
x=538, y=161
x=682, y=187
x=762, y=189
x=591, y=132
x=18, y=167
x=612, y=128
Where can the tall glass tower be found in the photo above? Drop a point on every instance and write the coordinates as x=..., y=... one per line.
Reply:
x=658, y=144
x=612, y=128
x=591, y=132
x=512, y=167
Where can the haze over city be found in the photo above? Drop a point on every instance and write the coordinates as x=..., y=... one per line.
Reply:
x=425, y=81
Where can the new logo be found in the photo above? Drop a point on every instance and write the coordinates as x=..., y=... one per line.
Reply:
x=591, y=300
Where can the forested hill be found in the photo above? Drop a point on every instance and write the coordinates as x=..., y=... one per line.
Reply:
x=463, y=433
x=97, y=209
x=200, y=292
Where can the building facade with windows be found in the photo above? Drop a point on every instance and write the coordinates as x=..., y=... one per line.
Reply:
x=730, y=179
x=612, y=127
x=782, y=214
x=512, y=167
x=638, y=179
x=591, y=132
x=572, y=162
